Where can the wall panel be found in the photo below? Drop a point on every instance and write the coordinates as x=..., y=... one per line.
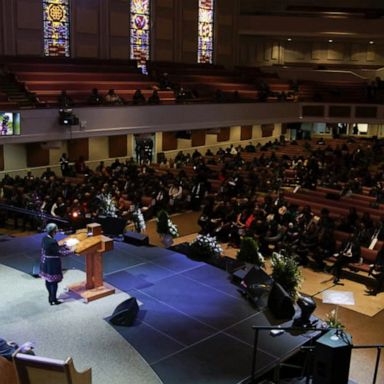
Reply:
x=246, y=132
x=117, y=146
x=198, y=137
x=223, y=134
x=169, y=141
x=77, y=148
x=36, y=155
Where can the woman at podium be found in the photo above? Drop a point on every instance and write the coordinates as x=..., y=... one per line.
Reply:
x=50, y=262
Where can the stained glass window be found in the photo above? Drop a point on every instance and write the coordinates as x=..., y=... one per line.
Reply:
x=140, y=32
x=205, y=48
x=56, y=27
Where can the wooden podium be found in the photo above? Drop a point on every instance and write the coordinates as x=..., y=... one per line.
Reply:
x=91, y=244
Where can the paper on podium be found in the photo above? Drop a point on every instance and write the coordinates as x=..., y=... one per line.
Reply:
x=71, y=242
x=338, y=297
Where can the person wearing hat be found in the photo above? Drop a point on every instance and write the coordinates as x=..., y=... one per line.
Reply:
x=50, y=262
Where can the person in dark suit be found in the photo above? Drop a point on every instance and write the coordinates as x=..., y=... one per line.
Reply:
x=350, y=252
x=50, y=262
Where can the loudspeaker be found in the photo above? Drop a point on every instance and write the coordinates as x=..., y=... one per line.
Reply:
x=280, y=303
x=256, y=276
x=135, y=238
x=332, y=358
x=125, y=313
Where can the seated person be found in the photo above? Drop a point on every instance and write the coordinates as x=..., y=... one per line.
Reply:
x=48, y=173
x=154, y=98
x=95, y=98
x=113, y=98
x=138, y=98
x=377, y=271
x=64, y=100
x=326, y=246
x=350, y=252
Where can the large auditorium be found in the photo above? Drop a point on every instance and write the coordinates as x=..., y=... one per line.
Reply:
x=191, y=191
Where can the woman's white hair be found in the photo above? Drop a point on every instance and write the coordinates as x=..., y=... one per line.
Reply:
x=51, y=227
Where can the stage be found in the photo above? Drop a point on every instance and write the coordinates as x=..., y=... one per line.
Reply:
x=193, y=324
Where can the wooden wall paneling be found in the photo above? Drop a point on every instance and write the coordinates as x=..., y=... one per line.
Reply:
x=223, y=134
x=246, y=132
x=267, y=130
x=169, y=141
x=198, y=137
x=1, y=157
x=77, y=148
x=36, y=155
x=117, y=146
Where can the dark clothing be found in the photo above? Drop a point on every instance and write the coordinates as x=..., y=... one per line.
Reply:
x=350, y=253
x=50, y=262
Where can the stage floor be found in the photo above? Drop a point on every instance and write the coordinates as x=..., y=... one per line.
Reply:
x=193, y=325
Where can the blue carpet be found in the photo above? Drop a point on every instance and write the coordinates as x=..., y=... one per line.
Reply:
x=139, y=276
x=193, y=326
x=279, y=346
x=151, y=344
x=171, y=322
x=214, y=278
x=217, y=360
x=199, y=301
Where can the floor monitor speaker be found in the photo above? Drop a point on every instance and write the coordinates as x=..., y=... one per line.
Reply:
x=125, y=313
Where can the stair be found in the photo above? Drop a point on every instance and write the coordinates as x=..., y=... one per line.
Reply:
x=16, y=93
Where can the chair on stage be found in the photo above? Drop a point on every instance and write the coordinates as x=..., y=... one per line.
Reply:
x=42, y=370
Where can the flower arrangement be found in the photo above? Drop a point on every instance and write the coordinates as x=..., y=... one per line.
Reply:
x=249, y=252
x=108, y=205
x=286, y=272
x=205, y=247
x=138, y=220
x=165, y=226
x=332, y=320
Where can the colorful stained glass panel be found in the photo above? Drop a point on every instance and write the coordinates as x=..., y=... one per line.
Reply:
x=56, y=27
x=140, y=32
x=205, y=40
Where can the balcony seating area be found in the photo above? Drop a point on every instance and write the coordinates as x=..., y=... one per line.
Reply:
x=204, y=82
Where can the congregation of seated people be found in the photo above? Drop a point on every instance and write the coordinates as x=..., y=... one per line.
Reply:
x=247, y=200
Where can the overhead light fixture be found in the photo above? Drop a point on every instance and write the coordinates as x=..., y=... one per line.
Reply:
x=289, y=39
x=371, y=42
x=330, y=41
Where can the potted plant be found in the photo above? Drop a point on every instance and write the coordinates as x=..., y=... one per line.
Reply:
x=286, y=272
x=166, y=228
x=249, y=252
x=205, y=247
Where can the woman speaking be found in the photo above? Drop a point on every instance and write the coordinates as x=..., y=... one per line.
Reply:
x=50, y=262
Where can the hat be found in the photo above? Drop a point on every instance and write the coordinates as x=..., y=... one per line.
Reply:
x=51, y=227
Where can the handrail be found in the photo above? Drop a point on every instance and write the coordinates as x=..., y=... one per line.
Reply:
x=378, y=355
x=31, y=212
x=257, y=328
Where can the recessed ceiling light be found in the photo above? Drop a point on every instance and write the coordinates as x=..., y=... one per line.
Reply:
x=330, y=41
x=289, y=39
x=371, y=42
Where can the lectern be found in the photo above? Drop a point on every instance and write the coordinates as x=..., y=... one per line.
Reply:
x=92, y=244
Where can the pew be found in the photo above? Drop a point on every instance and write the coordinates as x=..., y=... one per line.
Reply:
x=42, y=370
